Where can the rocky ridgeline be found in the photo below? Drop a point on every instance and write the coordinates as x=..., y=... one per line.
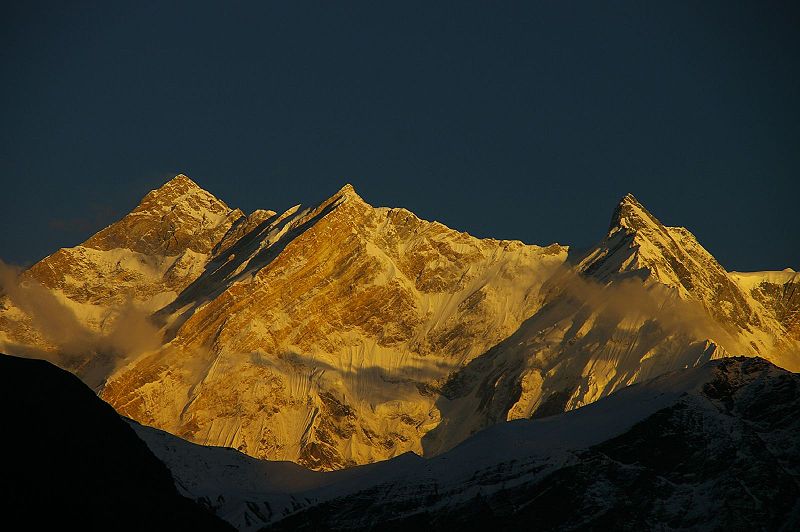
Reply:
x=342, y=334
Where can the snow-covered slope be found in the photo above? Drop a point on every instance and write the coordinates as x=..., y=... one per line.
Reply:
x=245, y=491
x=707, y=447
x=778, y=292
x=343, y=334
x=251, y=493
x=712, y=447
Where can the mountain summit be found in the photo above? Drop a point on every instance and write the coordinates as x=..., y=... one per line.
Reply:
x=169, y=220
x=639, y=245
x=631, y=215
x=340, y=333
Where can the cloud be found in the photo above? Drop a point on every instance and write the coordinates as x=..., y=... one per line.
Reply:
x=89, y=353
x=636, y=300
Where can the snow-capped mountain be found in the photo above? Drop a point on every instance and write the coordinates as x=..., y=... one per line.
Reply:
x=646, y=300
x=343, y=334
x=639, y=245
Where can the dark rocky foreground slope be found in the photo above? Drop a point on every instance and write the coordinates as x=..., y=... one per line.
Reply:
x=721, y=453
x=70, y=462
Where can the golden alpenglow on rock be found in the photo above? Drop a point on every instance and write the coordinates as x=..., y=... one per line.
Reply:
x=343, y=334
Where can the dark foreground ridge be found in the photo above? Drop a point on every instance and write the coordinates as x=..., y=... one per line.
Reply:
x=70, y=462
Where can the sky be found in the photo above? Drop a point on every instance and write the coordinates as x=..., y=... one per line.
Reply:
x=511, y=120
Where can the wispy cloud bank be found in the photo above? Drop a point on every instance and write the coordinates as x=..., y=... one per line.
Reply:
x=72, y=343
x=634, y=299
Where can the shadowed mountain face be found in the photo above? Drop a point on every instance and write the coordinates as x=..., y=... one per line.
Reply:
x=342, y=334
x=711, y=448
x=70, y=461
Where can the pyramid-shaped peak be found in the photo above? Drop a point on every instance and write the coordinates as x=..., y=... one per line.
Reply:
x=183, y=178
x=180, y=182
x=346, y=193
x=346, y=196
x=629, y=199
x=631, y=214
x=180, y=190
x=180, y=185
x=178, y=215
x=347, y=190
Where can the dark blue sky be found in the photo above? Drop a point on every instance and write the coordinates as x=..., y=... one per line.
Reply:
x=524, y=121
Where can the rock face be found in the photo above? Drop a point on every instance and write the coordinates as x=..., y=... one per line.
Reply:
x=78, y=465
x=338, y=323
x=778, y=292
x=343, y=334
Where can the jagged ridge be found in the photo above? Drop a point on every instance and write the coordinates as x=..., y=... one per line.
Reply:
x=341, y=333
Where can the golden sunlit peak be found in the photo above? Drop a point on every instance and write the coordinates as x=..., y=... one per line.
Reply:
x=182, y=179
x=180, y=186
x=631, y=214
x=348, y=192
x=347, y=189
x=629, y=198
x=181, y=183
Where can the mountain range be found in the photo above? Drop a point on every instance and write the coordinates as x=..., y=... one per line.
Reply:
x=342, y=334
